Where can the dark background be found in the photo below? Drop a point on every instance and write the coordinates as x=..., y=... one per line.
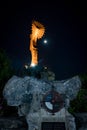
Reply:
x=66, y=30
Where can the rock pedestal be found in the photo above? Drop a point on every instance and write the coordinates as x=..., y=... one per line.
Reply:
x=27, y=94
x=36, y=119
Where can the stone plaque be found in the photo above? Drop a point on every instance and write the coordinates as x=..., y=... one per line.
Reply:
x=53, y=126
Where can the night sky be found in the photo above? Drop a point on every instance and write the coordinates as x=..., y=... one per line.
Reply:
x=66, y=30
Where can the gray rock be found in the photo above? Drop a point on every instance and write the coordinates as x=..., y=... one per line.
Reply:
x=18, y=90
x=81, y=121
x=48, y=75
x=27, y=93
x=69, y=87
x=12, y=123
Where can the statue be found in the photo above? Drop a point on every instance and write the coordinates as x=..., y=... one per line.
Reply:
x=37, y=33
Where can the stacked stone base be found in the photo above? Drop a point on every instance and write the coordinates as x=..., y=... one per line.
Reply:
x=36, y=119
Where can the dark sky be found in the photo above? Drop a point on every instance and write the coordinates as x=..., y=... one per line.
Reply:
x=66, y=29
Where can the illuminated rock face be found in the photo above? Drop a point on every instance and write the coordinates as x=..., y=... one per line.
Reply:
x=27, y=94
x=37, y=33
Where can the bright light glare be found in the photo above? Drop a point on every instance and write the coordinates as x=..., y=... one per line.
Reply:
x=33, y=65
x=26, y=66
x=45, y=41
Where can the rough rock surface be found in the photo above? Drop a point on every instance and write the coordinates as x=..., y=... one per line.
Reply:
x=27, y=93
x=81, y=121
x=19, y=91
x=13, y=123
x=48, y=75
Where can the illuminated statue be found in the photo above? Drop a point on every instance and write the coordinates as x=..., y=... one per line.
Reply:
x=37, y=33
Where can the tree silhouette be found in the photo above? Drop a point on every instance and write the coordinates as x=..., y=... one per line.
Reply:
x=5, y=69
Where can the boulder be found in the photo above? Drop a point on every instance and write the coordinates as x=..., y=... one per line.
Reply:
x=27, y=93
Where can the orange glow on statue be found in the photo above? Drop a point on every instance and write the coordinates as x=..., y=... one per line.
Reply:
x=37, y=33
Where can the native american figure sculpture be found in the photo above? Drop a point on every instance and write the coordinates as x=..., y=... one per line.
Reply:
x=37, y=33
